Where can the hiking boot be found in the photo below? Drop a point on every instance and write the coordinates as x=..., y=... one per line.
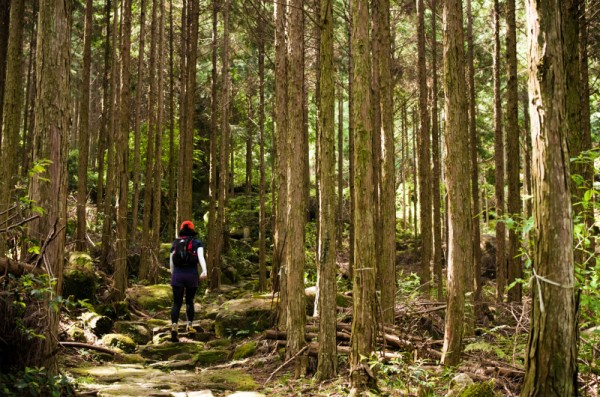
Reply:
x=174, y=337
x=190, y=329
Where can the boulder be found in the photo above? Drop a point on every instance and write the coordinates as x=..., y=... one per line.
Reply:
x=79, y=279
x=152, y=297
x=137, y=330
x=244, y=317
x=119, y=341
x=227, y=379
x=485, y=389
x=76, y=334
x=209, y=357
x=219, y=343
x=165, y=351
x=244, y=350
x=459, y=384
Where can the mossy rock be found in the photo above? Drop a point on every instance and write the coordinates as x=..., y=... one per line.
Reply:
x=244, y=317
x=120, y=341
x=156, y=323
x=115, y=310
x=244, y=351
x=166, y=351
x=485, y=389
x=76, y=334
x=228, y=379
x=230, y=275
x=138, y=331
x=164, y=252
x=79, y=279
x=152, y=297
x=219, y=343
x=209, y=357
x=311, y=293
x=130, y=359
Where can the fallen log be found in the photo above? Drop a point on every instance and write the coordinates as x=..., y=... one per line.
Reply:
x=86, y=346
x=97, y=323
x=18, y=268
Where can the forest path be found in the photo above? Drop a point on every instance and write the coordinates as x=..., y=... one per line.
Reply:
x=225, y=362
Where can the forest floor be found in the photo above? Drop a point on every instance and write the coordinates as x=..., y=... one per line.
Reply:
x=238, y=352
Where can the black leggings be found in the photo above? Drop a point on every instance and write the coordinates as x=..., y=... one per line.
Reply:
x=178, y=301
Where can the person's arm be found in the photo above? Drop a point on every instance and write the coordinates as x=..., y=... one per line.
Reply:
x=171, y=265
x=202, y=261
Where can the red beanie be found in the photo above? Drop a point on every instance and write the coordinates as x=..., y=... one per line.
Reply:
x=189, y=225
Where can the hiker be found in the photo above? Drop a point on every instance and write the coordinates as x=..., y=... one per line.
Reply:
x=187, y=254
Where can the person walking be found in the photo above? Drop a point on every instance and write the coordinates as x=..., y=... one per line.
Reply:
x=187, y=255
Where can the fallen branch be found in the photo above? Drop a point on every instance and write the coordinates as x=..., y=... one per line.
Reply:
x=18, y=268
x=24, y=221
x=86, y=346
x=286, y=363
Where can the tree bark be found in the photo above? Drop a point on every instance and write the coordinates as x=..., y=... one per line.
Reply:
x=295, y=203
x=139, y=92
x=363, y=320
x=351, y=172
x=551, y=358
x=262, y=217
x=340, y=168
x=387, y=265
x=435, y=153
x=28, y=123
x=83, y=139
x=4, y=31
x=170, y=222
x=13, y=101
x=52, y=120
x=326, y=258
x=424, y=156
x=515, y=267
x=460, y=249
x=499, y=164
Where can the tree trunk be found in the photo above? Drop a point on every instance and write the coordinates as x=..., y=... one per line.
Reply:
x=295, y=203
x=551, y=358
x=83, y=140
x=404, y=138
x=170, y=223
x=387, y=265
x=28, y=123
x=279, y=237
x=326, y=263
x=515, y=267
x=4, y=27
x=363, y=320
x=457, y=175
x=527, y=182
x=435, y=152
x=146, y=251
x=499, y=163
x=213, y=229
x=351, y=173
x=262, y=217
x=106, y=109
x=139, y=90
x=424, y=156
x=13, y=101
x=52, y=119
x=340, y=168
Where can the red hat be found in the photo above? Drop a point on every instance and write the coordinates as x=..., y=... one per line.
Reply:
x=189, y=225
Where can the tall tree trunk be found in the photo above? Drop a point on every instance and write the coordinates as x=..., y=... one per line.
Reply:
x=473, y=148
x=404, y=138
x=249, y=141
x=415, y=168
x=147, y=249
x=224, y=181
x=13, y=101
x=340, y=167
x=213, y=235
x=186, y=141
x=51, y=140
x=435, y=153
x=112, y=135
x=424, y=156
x=295, y=203
x=551, y=357
x=586, y=138
x=106, y=108
x=84, y=142
x=28, y=123
x=326, y=263
x=460, y=249
x=387, y=265
x=351, y=172
x=4, y=24
x=139, y=92
x=515, y=266
x=499, y=163
x=122, y=149
x=170, y=223
x=262, y=216
x=527, y=181
x=279, y=270
x=363, y=320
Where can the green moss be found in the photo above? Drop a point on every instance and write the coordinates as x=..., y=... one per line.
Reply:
x=138, y=331
x=130, y=359
x=120, y=341
x=152, y=297
x=245, y=350
x=163, y=252
x=164, y=351
x=79, y=279
x=115, y=310
x=157, y=323
x=485, y=389
x=243, y=317
x=77, y=334
x=209, y=357
x=222, y=343
x=228, y=380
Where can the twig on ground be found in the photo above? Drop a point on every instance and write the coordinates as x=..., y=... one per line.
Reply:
x=286, y=363
x=86, y=346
